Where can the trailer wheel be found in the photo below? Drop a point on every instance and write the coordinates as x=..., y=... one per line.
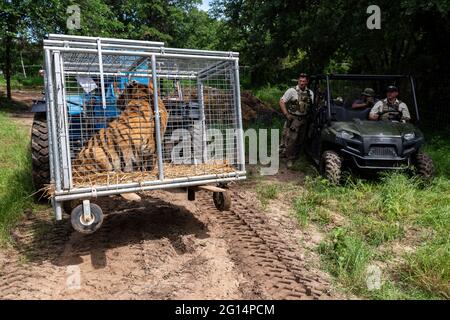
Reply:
x=80, y=224
x=39, y=154
x=222, y=200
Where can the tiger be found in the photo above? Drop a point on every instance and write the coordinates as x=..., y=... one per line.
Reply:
x=128, y=142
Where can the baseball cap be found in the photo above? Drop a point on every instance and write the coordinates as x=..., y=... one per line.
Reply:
x=391, y=89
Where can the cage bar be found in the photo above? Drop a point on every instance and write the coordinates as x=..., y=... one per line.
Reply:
x=135, y=115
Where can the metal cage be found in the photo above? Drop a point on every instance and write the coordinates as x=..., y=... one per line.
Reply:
x=127, y=116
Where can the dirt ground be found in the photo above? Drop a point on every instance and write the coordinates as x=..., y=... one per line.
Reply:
x=166, y=247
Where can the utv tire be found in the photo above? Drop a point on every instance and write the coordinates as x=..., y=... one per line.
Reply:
x=39, y=154
x=424, y=165
x=331, y=166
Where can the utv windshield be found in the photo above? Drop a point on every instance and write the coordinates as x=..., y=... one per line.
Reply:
x=354, y=97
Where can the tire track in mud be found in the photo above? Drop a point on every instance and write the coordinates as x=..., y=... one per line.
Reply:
x=29, y=272
x=39, y=269
x=258, y=248
x=159, y=250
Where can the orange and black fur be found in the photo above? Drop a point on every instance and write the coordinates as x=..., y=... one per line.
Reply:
x=128, y=143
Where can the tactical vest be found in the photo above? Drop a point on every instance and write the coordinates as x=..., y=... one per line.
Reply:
x=301, y=106
x=391, y=111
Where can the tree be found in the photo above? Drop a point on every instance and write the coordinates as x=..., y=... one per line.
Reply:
x=314, y=33
x=12, y=22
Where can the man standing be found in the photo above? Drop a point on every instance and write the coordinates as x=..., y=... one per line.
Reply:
x=390, y=108
x=295, y=105
x=366, y=100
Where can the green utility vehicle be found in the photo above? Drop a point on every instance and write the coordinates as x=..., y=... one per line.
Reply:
x=340, y=136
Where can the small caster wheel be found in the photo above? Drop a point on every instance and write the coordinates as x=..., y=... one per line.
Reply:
x=83, y=225
x=222, y=200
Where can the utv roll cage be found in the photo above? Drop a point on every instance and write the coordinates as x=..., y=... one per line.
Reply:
x=359, y=77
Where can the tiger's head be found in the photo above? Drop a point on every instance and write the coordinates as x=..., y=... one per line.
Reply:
x=135, y=90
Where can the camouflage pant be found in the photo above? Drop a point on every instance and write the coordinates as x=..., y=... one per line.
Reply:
x=292, y=138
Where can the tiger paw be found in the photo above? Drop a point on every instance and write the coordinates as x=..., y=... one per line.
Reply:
x=131, y=197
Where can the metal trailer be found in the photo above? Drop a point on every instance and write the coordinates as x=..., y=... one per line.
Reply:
x=85, y=77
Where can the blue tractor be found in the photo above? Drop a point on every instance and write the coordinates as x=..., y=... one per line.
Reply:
x=86, y=116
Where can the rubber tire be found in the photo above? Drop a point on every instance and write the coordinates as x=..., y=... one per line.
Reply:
x=77, y=214
x=222, y=200
x=39, y=154
x=424, y=165
x=331, y=166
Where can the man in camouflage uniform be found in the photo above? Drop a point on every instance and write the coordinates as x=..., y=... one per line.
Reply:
x=390, y=108
x=367, y=99
x=295, y=105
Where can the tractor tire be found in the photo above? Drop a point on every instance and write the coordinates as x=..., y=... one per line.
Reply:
x=424, y=165
x=39, y=155
x=331, y=166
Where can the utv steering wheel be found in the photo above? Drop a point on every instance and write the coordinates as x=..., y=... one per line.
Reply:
x=380, y=114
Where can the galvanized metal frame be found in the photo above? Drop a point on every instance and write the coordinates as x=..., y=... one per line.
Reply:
x=63, y=132
x=357, y=77
x=53, y=140
x=55, y=40
x=54, y=48
x=157, y=120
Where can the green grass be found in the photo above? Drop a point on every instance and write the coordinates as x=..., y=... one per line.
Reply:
x=347, y=256
x=429, y=267
x=15, y=174
x=267, y=192
x=271, y=95
x=18, y=81
x=374, y=216
x=395, y=209
x=438, y=147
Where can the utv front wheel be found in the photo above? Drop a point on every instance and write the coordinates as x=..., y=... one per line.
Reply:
x=331, y=166
x=39, y=155
x=424, y=165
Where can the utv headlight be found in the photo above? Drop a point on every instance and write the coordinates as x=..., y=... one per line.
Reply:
x=409, y=136
x=345, y=135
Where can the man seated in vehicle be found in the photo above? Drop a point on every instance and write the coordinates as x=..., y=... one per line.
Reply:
x=366, y=100
x=390, y=108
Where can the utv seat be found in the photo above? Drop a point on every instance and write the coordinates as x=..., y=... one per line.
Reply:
x=362, y=114
x=339, y=113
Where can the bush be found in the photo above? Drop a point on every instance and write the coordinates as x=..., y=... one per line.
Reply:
x=271, y=95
